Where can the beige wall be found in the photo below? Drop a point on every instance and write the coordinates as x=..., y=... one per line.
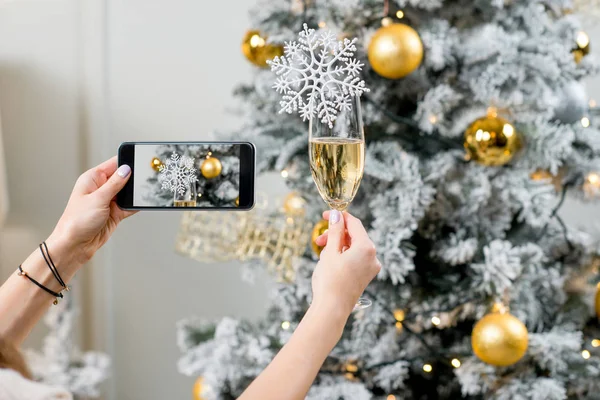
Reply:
x=77, y=77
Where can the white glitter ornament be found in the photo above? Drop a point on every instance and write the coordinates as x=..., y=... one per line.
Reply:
x=318, y=75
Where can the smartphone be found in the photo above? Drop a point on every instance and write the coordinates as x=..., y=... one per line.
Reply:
x=188, y=175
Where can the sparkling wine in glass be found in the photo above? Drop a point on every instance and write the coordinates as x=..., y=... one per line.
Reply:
x=337, y=160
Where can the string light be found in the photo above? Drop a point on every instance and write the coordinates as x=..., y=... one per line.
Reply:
x=427, y=368
x=583, y=40
x=585, y=122
x=290, y=220
x=391, y=397
x=595, y=343
x=285, y=325
x=399, y=316
x=386, y=21
x=586, y=355
x=433, y=119
x=399, y=14
x=455, y=363
x=350, y=367
x=593, y=103
x=593, y=178
x=284, y=173
x=322, y=24
x=436, y=320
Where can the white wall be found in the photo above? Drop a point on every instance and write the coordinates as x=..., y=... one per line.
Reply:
x=39, y=109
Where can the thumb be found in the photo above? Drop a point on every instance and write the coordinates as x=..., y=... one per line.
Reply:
x=115, y=183
x=336, y=231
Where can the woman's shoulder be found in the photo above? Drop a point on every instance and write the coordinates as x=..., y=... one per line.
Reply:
x=13, y=386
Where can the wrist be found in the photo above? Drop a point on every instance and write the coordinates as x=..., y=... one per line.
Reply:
x=331, y=312
x=66, y=254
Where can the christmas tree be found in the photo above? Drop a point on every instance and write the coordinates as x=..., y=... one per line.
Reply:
x=477, y=127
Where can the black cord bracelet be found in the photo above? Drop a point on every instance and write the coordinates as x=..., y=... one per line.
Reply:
x=50, y=264
x=51, y=292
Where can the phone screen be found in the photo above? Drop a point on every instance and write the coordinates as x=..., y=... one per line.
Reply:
x=188, y=175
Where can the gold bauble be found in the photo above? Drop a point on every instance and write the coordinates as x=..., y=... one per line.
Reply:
x=197, y=390
x=211, y=167
x=499, y=339
x=597, y=302
x=395, y=51
x=294, y=204
x=257, y=50
x=319, y=229
x=582, y=46
x=492, y=141
x=156, y=163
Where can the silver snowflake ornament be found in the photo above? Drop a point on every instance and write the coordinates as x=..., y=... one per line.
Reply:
x=318, y=75
x=177, y=174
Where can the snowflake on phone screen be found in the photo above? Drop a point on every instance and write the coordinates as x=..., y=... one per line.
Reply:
x=177, y=174
x=318, y=75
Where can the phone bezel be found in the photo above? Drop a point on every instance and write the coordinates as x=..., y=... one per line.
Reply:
x=126, y=155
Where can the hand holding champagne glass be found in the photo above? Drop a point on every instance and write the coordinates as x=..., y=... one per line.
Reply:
x=337, y=159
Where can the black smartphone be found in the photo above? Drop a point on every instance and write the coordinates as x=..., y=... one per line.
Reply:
x=188, y=175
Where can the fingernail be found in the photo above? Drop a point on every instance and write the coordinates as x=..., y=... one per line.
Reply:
x=334, y=217
x=124, y=170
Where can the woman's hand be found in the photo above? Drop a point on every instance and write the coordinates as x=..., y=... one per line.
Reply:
x=348, y=262
x=91, y=215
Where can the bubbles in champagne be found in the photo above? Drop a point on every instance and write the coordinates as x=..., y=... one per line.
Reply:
x=337, y=166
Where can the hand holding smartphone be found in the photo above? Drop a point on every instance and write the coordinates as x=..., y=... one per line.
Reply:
x=188, y=176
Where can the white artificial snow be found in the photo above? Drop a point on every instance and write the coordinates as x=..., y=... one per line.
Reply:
x=318, y=75
x=178, y=173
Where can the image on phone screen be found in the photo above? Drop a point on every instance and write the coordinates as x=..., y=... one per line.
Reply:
x=186, y=175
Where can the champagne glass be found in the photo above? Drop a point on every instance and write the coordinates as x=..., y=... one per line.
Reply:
x=337, y=160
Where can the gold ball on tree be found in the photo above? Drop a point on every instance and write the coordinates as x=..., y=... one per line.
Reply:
x=499, y=339
x=211, y=167
x=492, y=141
x=156, y=163
x=197, y=390
x=395, y=51
x=257, y=50
x=319, y=229
x=294, y=204
x=597, y=302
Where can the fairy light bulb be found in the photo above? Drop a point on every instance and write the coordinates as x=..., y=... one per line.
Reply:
x=455, y=363
x=585, y=122
x=583, y=40
x=391, y=397
x=399, y=317
x=593, y=103
x=586, y=355
x=427, y=368
x=284, y=173
x=387, y=21
x=433, y=119
x=399, y=14
x=285, y=325
x=595, y=343
x=435, y=320
x=322, y=24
